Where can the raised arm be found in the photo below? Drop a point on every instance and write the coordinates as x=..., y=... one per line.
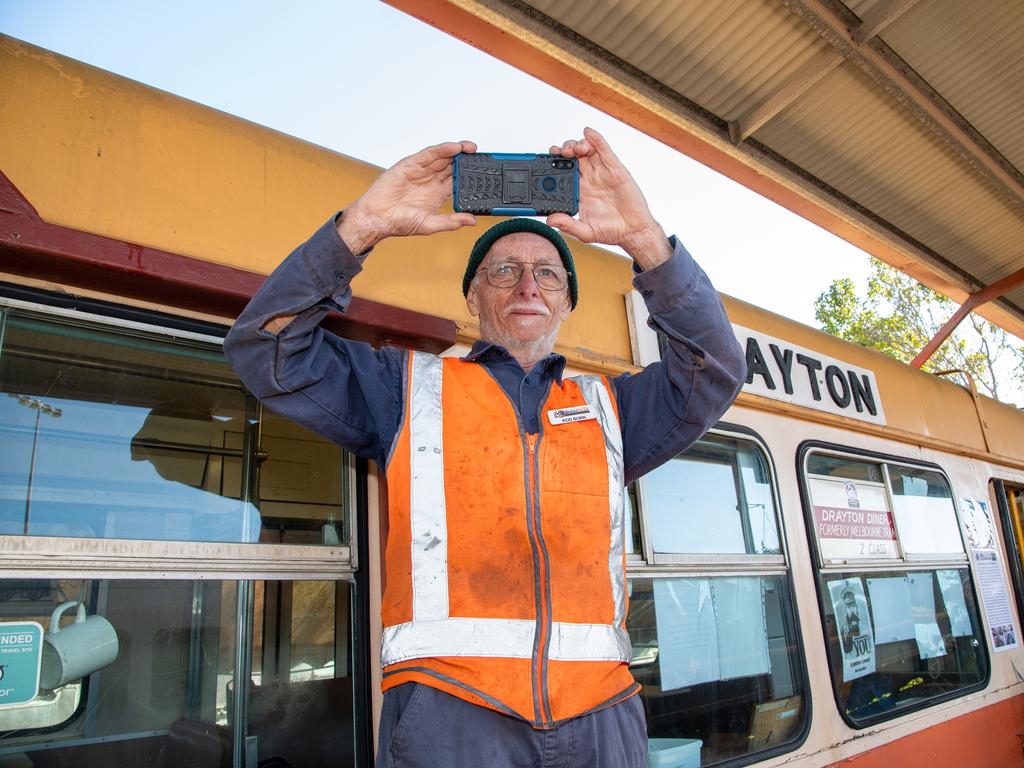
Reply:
x=669, y=404
x=345, y=390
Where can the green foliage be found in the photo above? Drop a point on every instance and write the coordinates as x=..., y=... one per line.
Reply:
x=898, y=316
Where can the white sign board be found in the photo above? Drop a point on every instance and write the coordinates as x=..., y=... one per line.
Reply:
x=779, y=370
x=784, y=371
x=852, y=520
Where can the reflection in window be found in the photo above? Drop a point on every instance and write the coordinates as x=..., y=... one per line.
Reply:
x=168, y=700
x=841, y=466
x=717, y=658
x=714, y=498
x=899, y=638
x=34, y=600
x=120, y=434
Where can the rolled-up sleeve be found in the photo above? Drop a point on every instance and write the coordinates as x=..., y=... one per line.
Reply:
x=671, y=403
x=344, y=390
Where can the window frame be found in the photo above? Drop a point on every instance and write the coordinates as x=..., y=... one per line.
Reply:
x=48, y=558
x=866, y=567
x=645, y=565
x=70, y=557
x=1011, y=547
x=649, y=558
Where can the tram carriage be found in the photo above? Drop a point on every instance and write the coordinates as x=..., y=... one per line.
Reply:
x=833, y=575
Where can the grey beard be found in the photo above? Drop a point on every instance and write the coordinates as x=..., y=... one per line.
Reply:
x=535, y=350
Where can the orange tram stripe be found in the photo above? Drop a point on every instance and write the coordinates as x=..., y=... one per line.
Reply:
x=986, y=738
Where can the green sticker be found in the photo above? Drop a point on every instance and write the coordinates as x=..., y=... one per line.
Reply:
x=21, y=650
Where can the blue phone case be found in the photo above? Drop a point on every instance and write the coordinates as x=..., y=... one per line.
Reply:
x=508, y=184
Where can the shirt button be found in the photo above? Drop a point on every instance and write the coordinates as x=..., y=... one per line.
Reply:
x=339, y=276
x=646, y=294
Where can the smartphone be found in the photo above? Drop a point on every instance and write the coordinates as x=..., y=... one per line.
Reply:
x=503, y=184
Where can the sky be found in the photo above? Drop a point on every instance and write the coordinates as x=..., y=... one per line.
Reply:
x=362, y=78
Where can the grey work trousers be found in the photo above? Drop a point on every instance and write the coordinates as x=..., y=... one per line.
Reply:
x=422, y=727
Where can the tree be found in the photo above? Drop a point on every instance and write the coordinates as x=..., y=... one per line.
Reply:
x=898, y=316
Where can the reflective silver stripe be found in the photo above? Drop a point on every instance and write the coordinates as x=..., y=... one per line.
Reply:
x=597, y=396
x=429, y=527
x=589, y=642
x=506, y=638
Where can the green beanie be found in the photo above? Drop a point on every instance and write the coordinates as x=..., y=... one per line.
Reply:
x=509, y=227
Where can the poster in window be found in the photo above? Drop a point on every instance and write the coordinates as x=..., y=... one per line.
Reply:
x=892, y=608
x=956, y=605
x=929, y=641
x=989, y=570
x=926, y=627
x=853, y=626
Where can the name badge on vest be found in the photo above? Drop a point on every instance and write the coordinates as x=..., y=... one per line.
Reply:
x=574, y=413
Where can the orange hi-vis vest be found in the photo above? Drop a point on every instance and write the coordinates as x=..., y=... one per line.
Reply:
x=505, y=581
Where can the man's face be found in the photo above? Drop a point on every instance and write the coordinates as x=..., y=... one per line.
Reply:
x=852, y=615
x=524, y=315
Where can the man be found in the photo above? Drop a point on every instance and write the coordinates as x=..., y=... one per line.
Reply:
x=505, y=600
x=851, y=621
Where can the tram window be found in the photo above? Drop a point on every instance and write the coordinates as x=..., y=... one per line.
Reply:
x=120, y=434
x=717, y=657
x=718, y=654
x=903, y=630
x=168, y=698
x=924, y=511
x=899, y=639
x=715, y=498
x=1010, y=502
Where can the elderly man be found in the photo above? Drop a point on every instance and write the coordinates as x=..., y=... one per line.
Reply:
x=505, y=601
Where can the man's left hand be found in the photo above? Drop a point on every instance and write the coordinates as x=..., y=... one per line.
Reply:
x=613, y=210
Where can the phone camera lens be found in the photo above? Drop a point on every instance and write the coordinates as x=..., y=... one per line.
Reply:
x=569, y=164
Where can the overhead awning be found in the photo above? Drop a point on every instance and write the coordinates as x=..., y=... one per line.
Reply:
x=896, y=124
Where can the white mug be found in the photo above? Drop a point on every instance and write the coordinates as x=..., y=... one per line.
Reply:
x=78, y=649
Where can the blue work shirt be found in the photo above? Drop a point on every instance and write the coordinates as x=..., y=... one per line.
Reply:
x=351, y=393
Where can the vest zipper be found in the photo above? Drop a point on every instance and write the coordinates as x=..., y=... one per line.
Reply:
x=543, y=609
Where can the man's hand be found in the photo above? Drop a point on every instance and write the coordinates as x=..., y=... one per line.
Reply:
x=405, y=199
x=612, y=207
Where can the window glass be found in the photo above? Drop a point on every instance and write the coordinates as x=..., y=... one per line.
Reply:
x=118, y=434
x=167, y=696
x=632, y=515
x=840, y=466
x=717, y=657
x=924, y=511
x=714, y=498
x=899, y=638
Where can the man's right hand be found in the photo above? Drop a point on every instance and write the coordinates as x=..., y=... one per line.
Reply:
x=405, y=199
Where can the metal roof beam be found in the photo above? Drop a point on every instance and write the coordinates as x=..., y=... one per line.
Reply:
x=907, y=88
x=812, y=72
x=804, y=78
x=974, y=301
x=880, y=17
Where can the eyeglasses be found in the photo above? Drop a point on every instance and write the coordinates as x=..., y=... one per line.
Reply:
x=506, y=274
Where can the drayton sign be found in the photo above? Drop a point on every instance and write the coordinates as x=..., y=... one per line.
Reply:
x=784, y=371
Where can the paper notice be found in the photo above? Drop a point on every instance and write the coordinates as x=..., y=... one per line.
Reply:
x=853, y=627
x=988, y=569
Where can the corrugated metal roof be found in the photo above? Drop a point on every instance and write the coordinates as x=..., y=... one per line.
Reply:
x=899, y=124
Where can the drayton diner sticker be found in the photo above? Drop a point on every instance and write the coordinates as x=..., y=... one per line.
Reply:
x=21, y=651
x=784, y=371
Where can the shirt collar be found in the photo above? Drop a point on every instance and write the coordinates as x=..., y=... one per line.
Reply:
x=487, y=351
